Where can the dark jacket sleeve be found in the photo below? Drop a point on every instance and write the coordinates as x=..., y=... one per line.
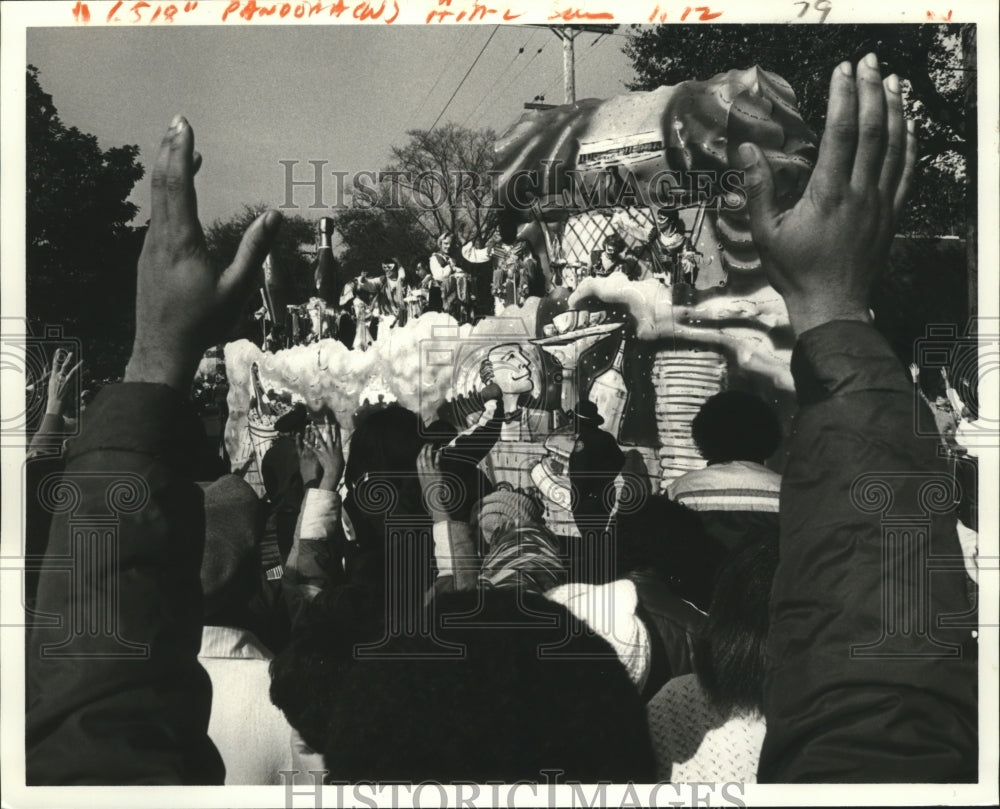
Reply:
x=116, y=694
x=867, y=680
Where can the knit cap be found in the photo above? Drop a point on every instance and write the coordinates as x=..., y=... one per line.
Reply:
x=501, y=511
x=527, y=557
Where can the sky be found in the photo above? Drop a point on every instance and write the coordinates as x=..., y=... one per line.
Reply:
x=346, y=94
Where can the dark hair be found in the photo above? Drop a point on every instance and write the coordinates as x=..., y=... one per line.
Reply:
x=305, y=676
x=386, y=439
x=381, y=477
x=614, y=240
x=670, y=539
x=507, y=225
x=499, y=709
x=284, y=489
x=730, y=651
x=736, y=426
x=439, y=433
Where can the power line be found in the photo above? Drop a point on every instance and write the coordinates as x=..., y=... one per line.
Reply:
x=499, y=78
x=524, y=67
x=444, y=67
x=467, y=72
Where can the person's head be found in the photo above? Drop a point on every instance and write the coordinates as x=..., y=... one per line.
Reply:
x=503, y=511
x=381, y=472
x=507, y=227
x=530, y=689
x=390, y=268
x=613, y=244
x=586, y=416
x=440, y=433
x=668, y=220
x=670, y=540
x=509, y=368
x=730, y=651
x=386, y=440
x=444, y=242
x=229, y=567
x=736, y=426
x=525, y=557
x=306, y=673
x=422, y=271
x=279, y=470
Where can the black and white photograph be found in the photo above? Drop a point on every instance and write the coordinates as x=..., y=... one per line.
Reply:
x=440, y=403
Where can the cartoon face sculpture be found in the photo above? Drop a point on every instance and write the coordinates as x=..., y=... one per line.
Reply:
x=511, y=369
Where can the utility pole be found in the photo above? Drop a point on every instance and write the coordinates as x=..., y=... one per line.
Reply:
x=568, y=33
x=569, y=63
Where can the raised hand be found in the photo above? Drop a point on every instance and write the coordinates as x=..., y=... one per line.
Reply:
x=183, y=305
x=321, y=445
x=824, y=254
x=60, y=382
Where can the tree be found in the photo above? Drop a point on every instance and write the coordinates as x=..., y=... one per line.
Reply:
x=446, y=179
x=928, y=58
x=370, y=234
x=292, y=264
x=81, y=251
x=439, y=180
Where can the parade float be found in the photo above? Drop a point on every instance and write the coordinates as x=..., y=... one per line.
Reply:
x=686, y=312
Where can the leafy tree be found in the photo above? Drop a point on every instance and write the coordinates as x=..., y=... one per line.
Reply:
x=438, y=180
x=450, y=153
x=369, y=234
x=81, y=252
x=928, y=58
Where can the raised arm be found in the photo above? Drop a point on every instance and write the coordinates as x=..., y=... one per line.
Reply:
x=116, y=695
x=49, y=436
x=863, y=684
x=454, y=549
x=313, y=562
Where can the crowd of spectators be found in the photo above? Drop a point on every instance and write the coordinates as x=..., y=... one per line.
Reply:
x=397, y=617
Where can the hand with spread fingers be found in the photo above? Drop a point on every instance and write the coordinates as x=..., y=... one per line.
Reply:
x=183, y=305
x=322, y=442
x=824, y=254
x=61, y=386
